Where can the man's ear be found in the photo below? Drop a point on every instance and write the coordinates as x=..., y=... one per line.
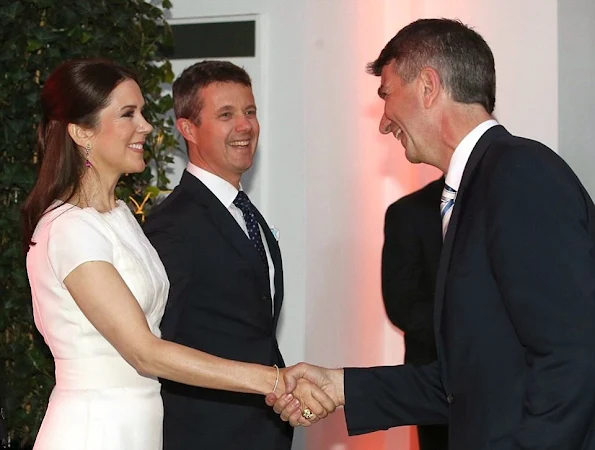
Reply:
x=186, y=129
x=79, y=135
x=430, y=84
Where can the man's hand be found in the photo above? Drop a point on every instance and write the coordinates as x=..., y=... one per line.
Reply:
x=291, y=405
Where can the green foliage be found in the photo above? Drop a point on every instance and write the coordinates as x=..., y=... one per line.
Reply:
x=35, y=36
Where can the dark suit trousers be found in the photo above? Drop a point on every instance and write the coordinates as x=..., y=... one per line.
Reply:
x=433, y=437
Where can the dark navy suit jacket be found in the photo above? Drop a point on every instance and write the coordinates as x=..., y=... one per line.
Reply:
x=514, y=313
x=410, y=255
x=220, y=303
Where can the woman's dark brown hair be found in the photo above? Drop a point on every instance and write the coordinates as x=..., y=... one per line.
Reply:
x=75, y=92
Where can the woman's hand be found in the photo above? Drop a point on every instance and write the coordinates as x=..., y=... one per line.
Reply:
x=303, y=401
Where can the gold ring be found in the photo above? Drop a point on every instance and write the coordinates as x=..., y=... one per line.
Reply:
x=308, y=414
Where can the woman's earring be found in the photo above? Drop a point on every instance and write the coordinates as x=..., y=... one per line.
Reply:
x=87, y=151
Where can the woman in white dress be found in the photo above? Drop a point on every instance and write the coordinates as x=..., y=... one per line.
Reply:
x=98, y=286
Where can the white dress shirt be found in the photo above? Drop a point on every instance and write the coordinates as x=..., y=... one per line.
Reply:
x=463, y=151
x=226, y=193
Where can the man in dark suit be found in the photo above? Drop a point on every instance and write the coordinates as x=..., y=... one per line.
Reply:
x=412, y=244
x=223, y=263
x=515, y=290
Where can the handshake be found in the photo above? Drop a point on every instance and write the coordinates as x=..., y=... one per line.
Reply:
x=307, y=394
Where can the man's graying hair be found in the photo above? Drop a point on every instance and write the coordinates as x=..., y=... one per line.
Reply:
x=461, y=57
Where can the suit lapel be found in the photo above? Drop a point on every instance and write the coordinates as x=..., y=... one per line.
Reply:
x=474, y=159
x=227, y=225
x=275, y=253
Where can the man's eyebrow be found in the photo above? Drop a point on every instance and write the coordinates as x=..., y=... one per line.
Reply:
x=225, y=108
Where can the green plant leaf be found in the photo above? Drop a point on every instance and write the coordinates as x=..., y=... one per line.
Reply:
x=10, y=11
x=33, y=45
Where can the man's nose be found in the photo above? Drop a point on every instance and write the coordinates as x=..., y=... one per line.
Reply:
x=385, y=124
x=243, y=124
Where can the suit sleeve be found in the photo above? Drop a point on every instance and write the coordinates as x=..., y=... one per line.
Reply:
x=173, y=250
x=378, y=398
x=543, y=258
x=403, y=266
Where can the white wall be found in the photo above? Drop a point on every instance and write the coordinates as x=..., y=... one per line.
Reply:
x=576, y=40
x=326, y=175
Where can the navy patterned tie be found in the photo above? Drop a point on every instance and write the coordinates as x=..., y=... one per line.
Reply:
x=447, y=203
x=243, y=202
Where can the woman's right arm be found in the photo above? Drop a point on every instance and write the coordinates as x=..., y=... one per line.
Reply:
x=104, y=298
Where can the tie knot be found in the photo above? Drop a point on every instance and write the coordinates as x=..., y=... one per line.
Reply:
x=447, y=202
x=242, y=201
x=448, y=193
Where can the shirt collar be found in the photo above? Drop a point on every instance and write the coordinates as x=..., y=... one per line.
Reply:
x=463, y=152
x=223, y=190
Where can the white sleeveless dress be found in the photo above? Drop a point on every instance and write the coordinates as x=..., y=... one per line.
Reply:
x=99, y=402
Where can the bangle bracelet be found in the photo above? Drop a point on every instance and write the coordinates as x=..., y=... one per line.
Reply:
x=276, y=378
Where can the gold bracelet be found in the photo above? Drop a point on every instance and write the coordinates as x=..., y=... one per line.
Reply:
x=277, y=378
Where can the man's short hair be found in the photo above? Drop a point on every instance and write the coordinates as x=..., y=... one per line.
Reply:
x=187, y=103
x=460, y=55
